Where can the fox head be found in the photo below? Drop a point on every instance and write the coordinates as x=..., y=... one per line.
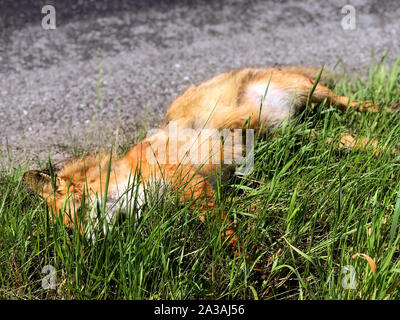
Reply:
x=59, y=194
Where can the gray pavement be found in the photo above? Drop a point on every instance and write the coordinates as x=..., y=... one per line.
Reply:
x=135, y=57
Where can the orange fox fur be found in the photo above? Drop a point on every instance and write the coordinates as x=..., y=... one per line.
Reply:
x=259, y=99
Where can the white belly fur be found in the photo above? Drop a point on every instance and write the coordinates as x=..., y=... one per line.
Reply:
x=124, y=197
x=277, y=105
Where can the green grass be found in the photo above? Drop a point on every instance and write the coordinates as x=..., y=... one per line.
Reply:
x=303, y=212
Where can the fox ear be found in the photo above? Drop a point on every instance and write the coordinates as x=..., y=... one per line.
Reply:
x=39, y=182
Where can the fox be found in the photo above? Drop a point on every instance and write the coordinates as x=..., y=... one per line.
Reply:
x=257, y=99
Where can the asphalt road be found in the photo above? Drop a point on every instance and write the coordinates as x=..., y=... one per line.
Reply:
x=110, y=65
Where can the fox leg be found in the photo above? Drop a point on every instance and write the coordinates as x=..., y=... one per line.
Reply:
x=343, y=103
x=302, y=86
x=362, y=143
x=322, y=92
x=359, y=143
